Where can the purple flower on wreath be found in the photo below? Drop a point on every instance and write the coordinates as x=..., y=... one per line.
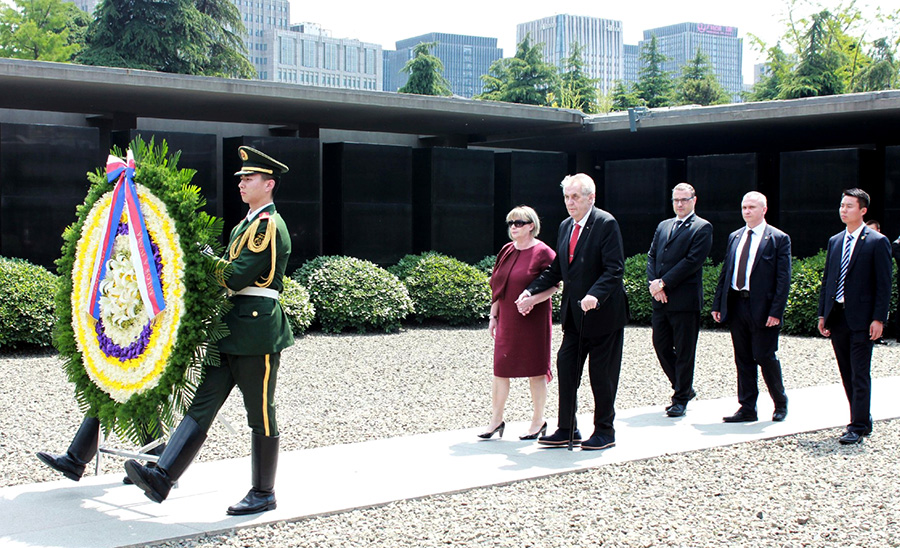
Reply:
x=131, y=351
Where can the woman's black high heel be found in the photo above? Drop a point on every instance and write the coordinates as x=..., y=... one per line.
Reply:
x=534, y=436
x=489, y=435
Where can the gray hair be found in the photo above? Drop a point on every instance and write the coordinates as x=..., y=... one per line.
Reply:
x=684, y=186
x=583, y=180
x=758, y=196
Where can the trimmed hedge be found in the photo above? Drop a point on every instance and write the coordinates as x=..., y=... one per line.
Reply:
x=408, y=263
x=486, y=265
x=449, y=290
x=302, y=274
x=357, y=294
x=801, y=316
x=27, y=310
x=296, y=304
x=640, y=303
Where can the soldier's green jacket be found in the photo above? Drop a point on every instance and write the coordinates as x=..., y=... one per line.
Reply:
x=257, y=325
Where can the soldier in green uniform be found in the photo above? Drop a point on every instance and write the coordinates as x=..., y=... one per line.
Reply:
x=253, y=272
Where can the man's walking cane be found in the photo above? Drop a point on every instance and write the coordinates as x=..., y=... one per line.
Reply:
x=580, y=366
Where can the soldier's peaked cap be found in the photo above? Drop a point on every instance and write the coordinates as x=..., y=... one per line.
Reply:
x=258, y=162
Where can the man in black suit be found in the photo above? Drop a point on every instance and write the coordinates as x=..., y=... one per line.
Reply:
x=675, y=276
x=751, y=296
x=590, y=262
x=853, y=305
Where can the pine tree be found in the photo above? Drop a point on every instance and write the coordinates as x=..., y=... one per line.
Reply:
x=426, y=72
x=817, y=73
x=624, y=96
x=577, y=90
x=654, y=86
x=524, y=78
x=698, y=84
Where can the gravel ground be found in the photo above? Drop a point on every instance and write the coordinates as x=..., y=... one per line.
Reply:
x=803, y=490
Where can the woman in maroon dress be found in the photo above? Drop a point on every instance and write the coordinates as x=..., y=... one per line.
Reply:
x=521, y=341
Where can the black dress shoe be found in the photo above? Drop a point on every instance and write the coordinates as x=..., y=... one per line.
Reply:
x=850, y=438
x=780, y=414
x=597, y=442
x=560, y=438
x=691, y=396
x=740, y=416
x=677, y=410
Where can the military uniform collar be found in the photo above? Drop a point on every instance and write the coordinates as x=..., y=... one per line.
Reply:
x=252, y=214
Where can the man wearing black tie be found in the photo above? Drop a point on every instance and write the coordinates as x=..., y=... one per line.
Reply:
x=675, y=274
x=853, y=305
x=590, y=261
x=751, y=296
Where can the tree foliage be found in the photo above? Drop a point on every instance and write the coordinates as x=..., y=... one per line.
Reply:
x=698, y=84
x=41, y=30
x=654, y=85
x=576, y=89
x=625, y=96
x=426, y=72
x=524, y=78
x=821, y=61
x=200, y=37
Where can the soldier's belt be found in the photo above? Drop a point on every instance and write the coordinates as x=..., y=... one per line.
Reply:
x=258, y=292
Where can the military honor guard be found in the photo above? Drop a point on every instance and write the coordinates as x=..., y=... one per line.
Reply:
x=253, y=273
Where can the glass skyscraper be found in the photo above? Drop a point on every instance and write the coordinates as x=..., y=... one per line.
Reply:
x=465, y=59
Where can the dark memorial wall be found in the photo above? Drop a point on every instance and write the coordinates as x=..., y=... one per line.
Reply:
x=721, y=181
x=453, y=199
x=367, y=201
x=638, y=194
x=42, y=179
x=890, y=220
x=199, y=151
x=532, y=179
x=299, y=196
x=811, y=183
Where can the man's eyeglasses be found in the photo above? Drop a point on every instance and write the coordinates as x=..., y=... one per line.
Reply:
x=518, y=223
x=682, y=200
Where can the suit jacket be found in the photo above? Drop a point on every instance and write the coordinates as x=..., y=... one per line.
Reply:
x=596, y=269
x=770, y=275
x=678, y=260
x=867, y=287
x=257, y=325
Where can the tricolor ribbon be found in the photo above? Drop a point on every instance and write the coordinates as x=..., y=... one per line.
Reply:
x=125, y=197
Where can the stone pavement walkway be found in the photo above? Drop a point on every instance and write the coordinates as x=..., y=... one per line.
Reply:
x=100, y=511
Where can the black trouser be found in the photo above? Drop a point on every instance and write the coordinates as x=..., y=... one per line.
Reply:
x=256, y=377
x=754, y=345
x=853, y=351
x=675, y=341
x=604, y=365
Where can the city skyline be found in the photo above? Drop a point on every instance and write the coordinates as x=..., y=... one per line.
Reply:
x=370, y=22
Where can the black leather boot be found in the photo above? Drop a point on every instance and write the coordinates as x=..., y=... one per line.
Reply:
x=156, y=451
x=180, y=451
x=81, y=451
x=264, y=462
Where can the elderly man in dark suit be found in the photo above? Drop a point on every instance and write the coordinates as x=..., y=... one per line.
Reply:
x=675, y=276
x=590, y=262
x=751, y=296
x=853, y=305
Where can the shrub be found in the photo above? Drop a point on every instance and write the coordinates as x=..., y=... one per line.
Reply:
x=301, y=275
x=640, y=302
x=296, y=304
x=486, y=265
x=27, y=311
x=349, y=292
x=710, y=280
x=446, y=289
x=406, y=265
x=802, y=314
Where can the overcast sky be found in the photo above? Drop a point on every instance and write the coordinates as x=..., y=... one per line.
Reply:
x=388, y=21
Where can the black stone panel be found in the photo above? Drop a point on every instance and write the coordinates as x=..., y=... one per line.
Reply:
x=199, y=151
x=42, y=179
x=299, y=195
x=638, y=194
x=367, y=201
x=453, y=197
x=890, y=221
x=532, y=179
x=721, y=181
x=810, y=191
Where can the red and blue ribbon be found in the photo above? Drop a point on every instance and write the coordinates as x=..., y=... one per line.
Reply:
x=125, y=198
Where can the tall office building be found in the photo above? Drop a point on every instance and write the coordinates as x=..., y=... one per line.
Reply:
x=631, y=64
x=307, y=54
x=721, y=44
x=465, y=59
x=260, y=16
x=600, y=40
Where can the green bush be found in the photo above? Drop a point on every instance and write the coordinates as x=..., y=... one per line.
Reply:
x=449, y=290
x=406, y=265
x=710, y=280
x=27, y=308
x=640, y=303
x=802, y=314
x=352, y=293
x=296, y=304
x=486, y=265
x=301, y=275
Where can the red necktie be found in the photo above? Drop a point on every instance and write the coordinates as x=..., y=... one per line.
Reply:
x=573, y=240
